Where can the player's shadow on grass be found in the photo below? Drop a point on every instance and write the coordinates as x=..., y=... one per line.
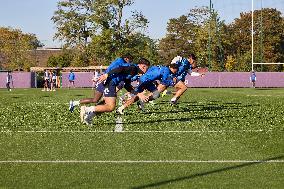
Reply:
x=177, y=119
x=202, y=174
x=201, y=108
x=15, y=97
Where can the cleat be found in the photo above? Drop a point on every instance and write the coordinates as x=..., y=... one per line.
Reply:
x=120, y=110
x=141, y=105
x=173, y=102
x=71, y=106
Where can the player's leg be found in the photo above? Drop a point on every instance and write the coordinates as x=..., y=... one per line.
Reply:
x=109, y=105
x=98, y=93
x=155, y=93
x=180, y=89
x=73, y=83
x=8, y=86
x=253, y=83
x=51, y=85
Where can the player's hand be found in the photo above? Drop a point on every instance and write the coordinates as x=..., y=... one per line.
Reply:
x=142, y=97
x=102, y=78
x=174, y=80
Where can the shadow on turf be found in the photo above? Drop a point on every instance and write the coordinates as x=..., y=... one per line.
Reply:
x=199, y=108
x=172, y=120
x=206, y=173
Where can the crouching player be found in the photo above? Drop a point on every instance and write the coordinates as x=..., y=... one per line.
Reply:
x=108, y=85
x=185, y=66
x=122, y=61
x=164, y=74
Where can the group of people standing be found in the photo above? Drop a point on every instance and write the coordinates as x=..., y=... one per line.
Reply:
x=51, y=81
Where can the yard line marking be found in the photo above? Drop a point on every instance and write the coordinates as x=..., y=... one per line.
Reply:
x=190, y=131
x=142, y=161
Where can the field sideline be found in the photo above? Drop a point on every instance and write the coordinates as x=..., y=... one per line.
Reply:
x=214, y=138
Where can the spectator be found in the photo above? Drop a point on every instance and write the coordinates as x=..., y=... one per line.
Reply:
x=71, y=78
x=46, y=81
x=253, y=78
x=95, y=79
x=9, y=80
x=53, y=81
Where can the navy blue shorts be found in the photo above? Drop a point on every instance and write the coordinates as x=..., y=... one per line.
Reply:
x=108, y=90
x=150, y=86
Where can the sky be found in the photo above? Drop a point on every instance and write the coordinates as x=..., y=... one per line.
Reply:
x=34, y=16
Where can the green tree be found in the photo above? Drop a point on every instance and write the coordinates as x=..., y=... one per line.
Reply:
x=190, y=34
x=63, y=60
x=73, y=21
x=15, y=48
x=268, y=39
x=98, y=29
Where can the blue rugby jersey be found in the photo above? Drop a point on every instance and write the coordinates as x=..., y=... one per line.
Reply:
x=126, y=72
x=161, y=73
x=116, y=63
x=184, y=68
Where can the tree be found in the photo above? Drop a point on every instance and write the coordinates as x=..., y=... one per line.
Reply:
x=62, y=60
x=73, y=21
x=268, y=38
x=179, y=39
x=98, y=29
x=190, y=34
x=15, y=48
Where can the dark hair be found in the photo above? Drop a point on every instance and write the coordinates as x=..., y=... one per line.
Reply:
x=128, y=55
x=174, y=66
x=192, y=56
x=144, y=61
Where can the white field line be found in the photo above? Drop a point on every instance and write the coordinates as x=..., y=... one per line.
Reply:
x=139, y=161
x=190, y=131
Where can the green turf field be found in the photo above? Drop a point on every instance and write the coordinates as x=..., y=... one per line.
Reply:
x=214, y=138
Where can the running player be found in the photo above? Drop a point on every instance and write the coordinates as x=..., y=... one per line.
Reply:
x=164, y=74
x=122, y=61
x=108, y=85
x=185, y=66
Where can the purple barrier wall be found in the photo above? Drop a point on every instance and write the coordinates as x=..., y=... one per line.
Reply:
x=82, y=79
x=211, y=79
x=20, y=79
x=236, y=79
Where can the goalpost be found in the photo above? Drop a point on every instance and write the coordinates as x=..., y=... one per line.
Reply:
x=252, y=41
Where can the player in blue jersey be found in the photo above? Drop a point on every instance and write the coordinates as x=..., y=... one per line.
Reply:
x=107, y=87
x=122, y=61
x=164, y=74
x=185, y=66
x=71, y=78
x=253, y=78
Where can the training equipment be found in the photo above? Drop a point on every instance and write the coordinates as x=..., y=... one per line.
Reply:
x=141, y=105
x=82, y=113
x=118, y=125
x=120, y=110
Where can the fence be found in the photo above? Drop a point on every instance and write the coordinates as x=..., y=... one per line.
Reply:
x=211, y=79
x=20, y=79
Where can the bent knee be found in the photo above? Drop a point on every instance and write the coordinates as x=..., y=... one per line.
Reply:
x=110, y=108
